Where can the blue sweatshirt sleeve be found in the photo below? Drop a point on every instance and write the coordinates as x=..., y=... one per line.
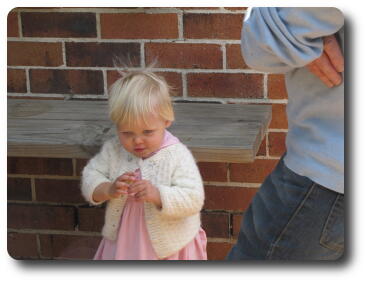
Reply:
x=278, y=40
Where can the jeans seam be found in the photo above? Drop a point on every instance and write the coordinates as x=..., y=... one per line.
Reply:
x=273, y=245
x=334, y=247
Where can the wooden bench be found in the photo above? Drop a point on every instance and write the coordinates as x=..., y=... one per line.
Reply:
x=77, y=129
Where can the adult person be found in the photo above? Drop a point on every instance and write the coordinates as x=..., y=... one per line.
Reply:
x=298, y=212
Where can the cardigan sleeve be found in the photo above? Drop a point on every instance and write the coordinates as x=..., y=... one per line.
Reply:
x=278, y=39
x=185, y=196
x=96, y=172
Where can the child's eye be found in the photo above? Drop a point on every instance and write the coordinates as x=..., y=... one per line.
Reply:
x=148, y=132
x=126, y=134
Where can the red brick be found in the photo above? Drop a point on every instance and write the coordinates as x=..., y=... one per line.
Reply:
x=279, y=117
x=80, y=164
x=235, y=8
x=139, y=25
x=69, y=246
x=225, y=85
x=34, y=97
x=38, y=166
x=277, y=144
x=234, y=57
x=213, y=171
x=276, y=87
x=13, y=30
x=91, y=219
x=112, y=76
x=198, y=8
x=184, y=55
x=46, y=24
x=254, y=172
x=236, y=224
x=218, y=250
x=40, y=217
x=34, y=54
x=19, y=189
x=22, y=246
x=216, y=26
x=66, y=81
x=17, y=81
x=173, y=79
x=228, y=198
x=216, y=225
x=59, y=191
x=101, y=54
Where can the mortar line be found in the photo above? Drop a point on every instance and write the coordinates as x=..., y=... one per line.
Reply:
x=33, y=189
x=180, y=25
x=20, y=25
x=27, y=80
x=121, y=40
x=224, y=54
x=98, y=25
x=142, y=55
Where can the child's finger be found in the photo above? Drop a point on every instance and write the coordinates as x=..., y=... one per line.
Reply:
x=122, y=192
x=140, y=195
x=122, y=185
x=129, y=174
x=127, y=178
x=138, y=183
x=135, y=188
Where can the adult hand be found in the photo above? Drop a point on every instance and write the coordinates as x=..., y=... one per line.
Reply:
x=330, y=64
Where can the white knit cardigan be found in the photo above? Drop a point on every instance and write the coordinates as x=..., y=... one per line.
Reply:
x=173, y=171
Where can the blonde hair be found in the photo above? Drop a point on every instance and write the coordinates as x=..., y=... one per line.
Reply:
x=136, y=95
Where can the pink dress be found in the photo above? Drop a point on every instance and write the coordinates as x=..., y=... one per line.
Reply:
x=133, y=242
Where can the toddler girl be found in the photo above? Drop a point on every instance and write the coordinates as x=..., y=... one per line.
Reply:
x=150, y=180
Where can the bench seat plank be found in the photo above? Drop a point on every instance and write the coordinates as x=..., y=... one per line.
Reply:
x=77, y=129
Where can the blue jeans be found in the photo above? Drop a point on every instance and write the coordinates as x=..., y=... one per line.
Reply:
x=291, y=218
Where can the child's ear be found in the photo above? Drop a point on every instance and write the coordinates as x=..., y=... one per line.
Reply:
x=168, y=123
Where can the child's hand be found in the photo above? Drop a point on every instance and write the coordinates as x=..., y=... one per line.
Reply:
x=143, y=190
x=121, y=184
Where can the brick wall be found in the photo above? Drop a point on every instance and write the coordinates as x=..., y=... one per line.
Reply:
x=67, y=53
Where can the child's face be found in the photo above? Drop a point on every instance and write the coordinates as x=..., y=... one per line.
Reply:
x=142, y=139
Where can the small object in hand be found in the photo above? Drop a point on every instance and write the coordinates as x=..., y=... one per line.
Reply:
x=129, y=182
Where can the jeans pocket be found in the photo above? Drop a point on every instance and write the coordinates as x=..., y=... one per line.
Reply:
x=332, y=236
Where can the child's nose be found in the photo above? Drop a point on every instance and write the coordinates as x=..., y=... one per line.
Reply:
x=138, y=140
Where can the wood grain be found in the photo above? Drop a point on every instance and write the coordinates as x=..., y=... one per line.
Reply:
x=77, y=129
